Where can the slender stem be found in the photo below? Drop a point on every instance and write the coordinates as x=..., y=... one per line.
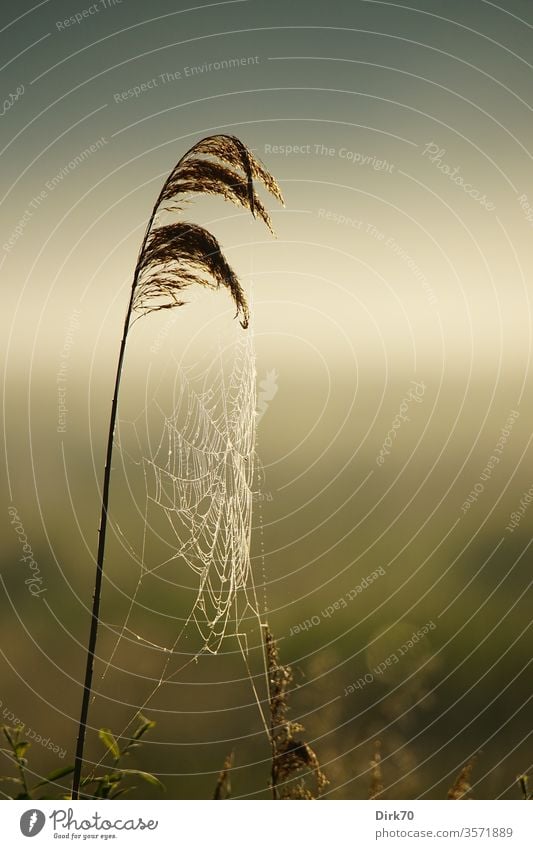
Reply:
x=93, y=632
x=273, y=771
x=23, y=777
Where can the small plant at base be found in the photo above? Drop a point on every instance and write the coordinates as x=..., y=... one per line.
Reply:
x=109, y=785
x=16, y=753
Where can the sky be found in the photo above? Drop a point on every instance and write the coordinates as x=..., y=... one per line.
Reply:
x=391, y=324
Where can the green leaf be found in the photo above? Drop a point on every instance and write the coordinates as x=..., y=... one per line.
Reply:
x=109, y=778
x=55, y=776
x=85, y=781
x=146, y=725
x=99, y=792
x=20, y=749
x=146, y=776
x=121, y=792
x=110, y=742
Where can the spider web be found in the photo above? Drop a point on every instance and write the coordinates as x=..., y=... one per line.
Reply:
x=199, y=480
x=201, y=477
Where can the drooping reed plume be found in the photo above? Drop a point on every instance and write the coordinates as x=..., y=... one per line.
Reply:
x=294, y=762
x=173, y=257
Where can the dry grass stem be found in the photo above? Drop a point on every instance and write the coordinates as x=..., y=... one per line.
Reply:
x=223, y=788
x=461, y=786
x=376, y=775
x=294, y=762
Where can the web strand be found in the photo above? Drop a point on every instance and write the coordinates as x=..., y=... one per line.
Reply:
x=200, y=479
